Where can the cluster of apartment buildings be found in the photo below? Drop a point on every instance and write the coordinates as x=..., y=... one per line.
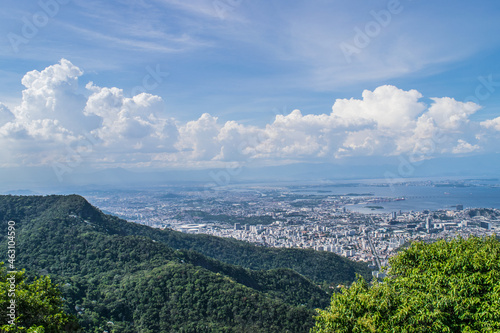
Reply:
x=320, y=222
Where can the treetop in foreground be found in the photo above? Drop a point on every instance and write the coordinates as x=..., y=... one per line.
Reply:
x=446, y=286
x=38, y=305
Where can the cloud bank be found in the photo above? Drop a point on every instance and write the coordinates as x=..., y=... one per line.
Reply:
x=55, y=124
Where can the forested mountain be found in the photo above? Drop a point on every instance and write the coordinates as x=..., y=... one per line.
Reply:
x=125, y=277
x=317, y=266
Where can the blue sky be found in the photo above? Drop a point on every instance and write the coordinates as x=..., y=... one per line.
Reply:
x=230, y=73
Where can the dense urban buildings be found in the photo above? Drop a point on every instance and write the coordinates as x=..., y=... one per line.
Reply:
x=297, y=218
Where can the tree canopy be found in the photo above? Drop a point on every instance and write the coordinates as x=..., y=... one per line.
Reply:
x=445, y=286
x=38, y=305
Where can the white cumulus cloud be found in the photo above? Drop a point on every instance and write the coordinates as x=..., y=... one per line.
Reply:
x=463, y=147
x=135, y=123
x=492, y=124
x=110, y=129
x=198, y=138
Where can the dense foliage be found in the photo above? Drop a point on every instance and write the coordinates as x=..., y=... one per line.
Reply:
x=123, y=277
x=446, y=286
x=318, y=266
x=37, y=306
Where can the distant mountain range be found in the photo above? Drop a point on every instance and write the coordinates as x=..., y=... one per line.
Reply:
x=348, y=169
x=124, y=277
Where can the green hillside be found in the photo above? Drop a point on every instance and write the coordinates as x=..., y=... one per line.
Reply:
x=127, y=278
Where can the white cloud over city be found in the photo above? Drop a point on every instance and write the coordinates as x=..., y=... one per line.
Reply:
x=105, y=127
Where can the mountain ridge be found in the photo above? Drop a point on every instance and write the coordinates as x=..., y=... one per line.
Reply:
x=95, y=257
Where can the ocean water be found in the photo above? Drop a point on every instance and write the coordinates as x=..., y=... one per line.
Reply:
x=417, y=197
